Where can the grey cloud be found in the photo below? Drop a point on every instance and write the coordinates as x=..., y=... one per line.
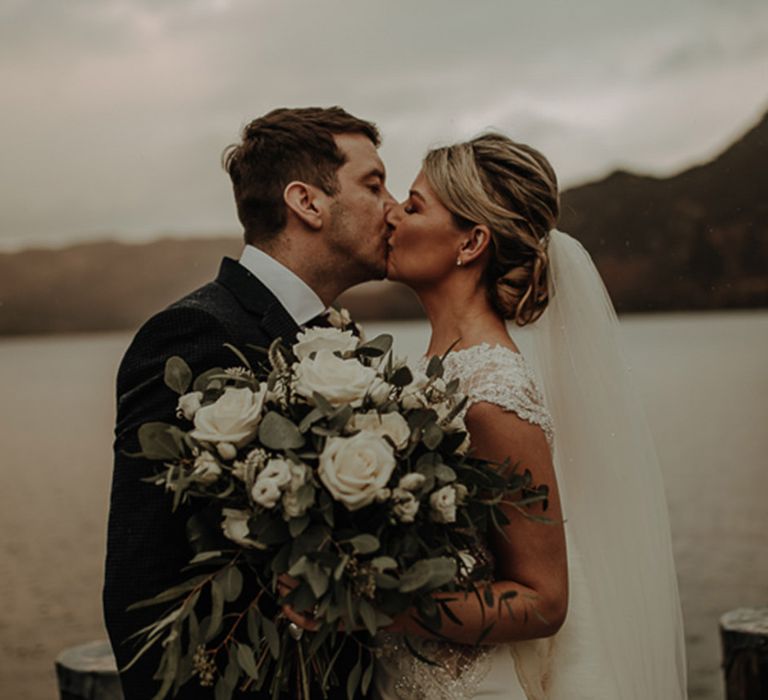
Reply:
x=118, y=110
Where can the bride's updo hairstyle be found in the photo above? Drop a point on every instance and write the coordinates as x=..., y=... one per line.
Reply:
x=512, y=189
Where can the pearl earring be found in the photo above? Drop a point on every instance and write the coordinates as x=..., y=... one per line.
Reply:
x=458, y=262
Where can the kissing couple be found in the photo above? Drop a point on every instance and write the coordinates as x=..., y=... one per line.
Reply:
x=595, y=613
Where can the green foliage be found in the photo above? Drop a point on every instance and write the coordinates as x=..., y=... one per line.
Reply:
x=178, y=375
x=279, y=433
x=160, y=441
x=359, y=568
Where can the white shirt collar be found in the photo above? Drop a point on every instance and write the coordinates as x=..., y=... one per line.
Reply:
x=296, y=296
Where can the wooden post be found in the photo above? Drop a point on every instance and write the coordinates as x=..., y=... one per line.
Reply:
x=88, y=672
x=744, y=637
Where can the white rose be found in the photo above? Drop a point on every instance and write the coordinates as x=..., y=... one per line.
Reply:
x=265, y=492
x=443, y=502
x=458, y=425
x=226, y=450
x=291, y=505
x=443, y=408
x=235, y=528
x=189, y=404
x=339, y=381
x=277, y=470
x=330, y=339
x=461, y=493
x=467, y=563
x=439, y=385
x=206, y=469
x=233, y=417
x=412, y=482
x=413, y=395
x=354, y=469
x=405, y=505
x=419, y=380
x=379, y=391
x=412, y=401
x=339, y=318
x=299, y=476
x=390, y=424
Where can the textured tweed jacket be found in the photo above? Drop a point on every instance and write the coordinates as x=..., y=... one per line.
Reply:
x=146, y=545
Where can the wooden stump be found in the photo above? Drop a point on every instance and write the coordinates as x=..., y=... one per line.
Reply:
x=88, y=672
x=744, y=637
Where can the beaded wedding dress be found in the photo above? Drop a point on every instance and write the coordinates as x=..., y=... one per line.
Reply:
x=623, y=635
x=499, y=376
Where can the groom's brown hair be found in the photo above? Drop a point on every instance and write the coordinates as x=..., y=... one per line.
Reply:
x=284, y=145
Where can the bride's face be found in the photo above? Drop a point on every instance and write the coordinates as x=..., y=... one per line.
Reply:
x=425, y=241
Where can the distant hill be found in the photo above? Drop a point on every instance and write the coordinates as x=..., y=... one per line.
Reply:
x=113, y=286
x=697, y=240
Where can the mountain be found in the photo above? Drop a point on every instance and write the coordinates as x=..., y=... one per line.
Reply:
x=696, y=240
x=114, y=286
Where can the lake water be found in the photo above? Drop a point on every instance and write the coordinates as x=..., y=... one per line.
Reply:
x=703, y=379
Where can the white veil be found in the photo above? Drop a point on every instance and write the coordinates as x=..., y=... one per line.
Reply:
x=623, y=638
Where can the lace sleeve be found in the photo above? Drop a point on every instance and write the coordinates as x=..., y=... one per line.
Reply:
x=500, y=376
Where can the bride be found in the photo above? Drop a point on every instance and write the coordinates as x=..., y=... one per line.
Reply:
x=596, y=613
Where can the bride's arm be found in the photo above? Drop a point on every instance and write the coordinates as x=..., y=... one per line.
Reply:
x=532, y=563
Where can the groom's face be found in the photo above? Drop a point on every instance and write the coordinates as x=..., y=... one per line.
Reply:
x=358, y=229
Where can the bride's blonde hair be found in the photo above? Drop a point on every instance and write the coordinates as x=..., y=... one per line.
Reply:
x=512, y=189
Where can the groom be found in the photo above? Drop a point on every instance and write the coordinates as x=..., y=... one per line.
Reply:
x=310, y=193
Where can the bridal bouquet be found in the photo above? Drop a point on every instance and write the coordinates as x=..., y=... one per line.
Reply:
x=333, y=466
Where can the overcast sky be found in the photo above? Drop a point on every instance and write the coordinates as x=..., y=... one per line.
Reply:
x=115, y=112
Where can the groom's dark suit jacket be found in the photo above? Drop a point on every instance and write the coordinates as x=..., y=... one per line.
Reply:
x=146, y=544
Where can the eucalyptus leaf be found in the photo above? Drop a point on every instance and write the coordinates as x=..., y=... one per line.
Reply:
x=322, y=404
x=217, y=610
x=383, y=563
x=223, y=689
x=401, y=377
x=297, y=525
x=279, y=433
x=428, y=574
x=170, y=593
x=365, y=543
x=299, y=568
x=232, y=583
x=193, y=631
x=246, y=660
x=444, y=571
x=368, y=614
x=318, y=638
x=317, y=577
x=157, y=441
x=200, y=557
x=444, y=473
x=353, y=680
x=271, y=635
x=177, y=375
x=339, y=570
x=435, y=367
x=415, y=577
x=433, y=435
x=310, y=419
x=380, y=345
x=253, y=620
x=385, y=581
x=202, y=381
x=367, y=678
